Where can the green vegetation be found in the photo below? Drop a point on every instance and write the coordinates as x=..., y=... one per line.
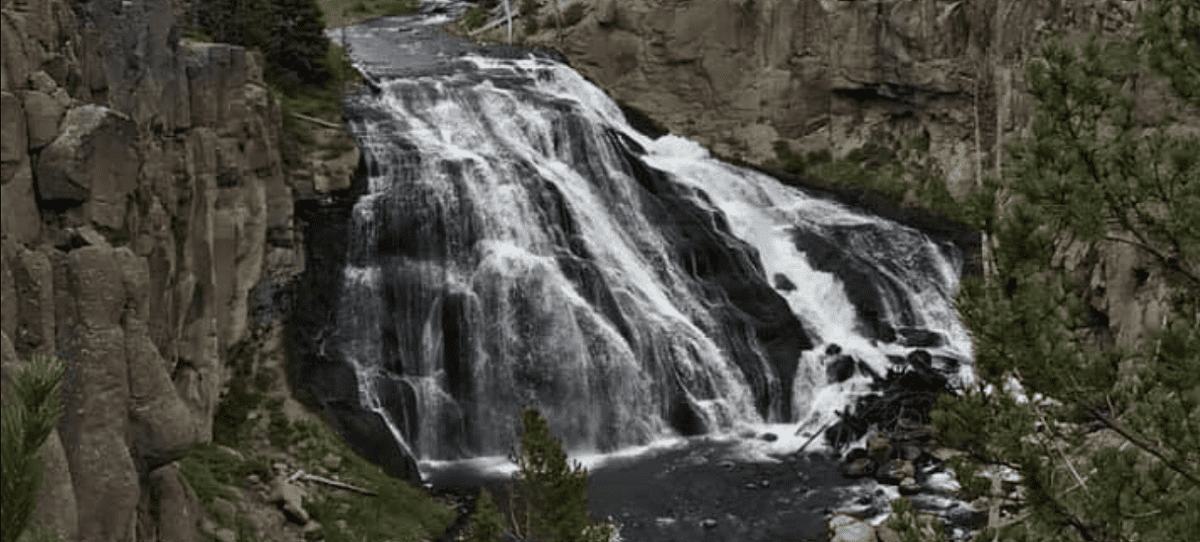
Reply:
x=552, y=503
x=912, y=527
x=487, y=523
x=384, y=8
x=1113, y=452
x=25, y=424
x=475, y=17
x=396, y=511
x=550, y=497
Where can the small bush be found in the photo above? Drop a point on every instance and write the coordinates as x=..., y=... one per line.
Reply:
x=474, y=17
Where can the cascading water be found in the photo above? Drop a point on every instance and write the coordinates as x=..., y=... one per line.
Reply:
x=512, y=242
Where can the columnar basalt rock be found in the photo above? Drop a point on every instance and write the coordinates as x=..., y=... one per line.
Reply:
x=140, y=173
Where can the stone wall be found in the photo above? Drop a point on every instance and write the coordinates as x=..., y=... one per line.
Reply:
x=144, y=196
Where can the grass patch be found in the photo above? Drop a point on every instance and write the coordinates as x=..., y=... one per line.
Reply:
x=400, y=512
x=211, y=471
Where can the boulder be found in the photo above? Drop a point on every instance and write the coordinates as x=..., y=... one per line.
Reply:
x=879, y=447
x=894, y=471
x=844, y=528
x=179, y=510
x=290, y=498
x=93, y=159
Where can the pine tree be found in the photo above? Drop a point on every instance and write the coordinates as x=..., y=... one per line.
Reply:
x=1090, y=176
x=554, y=493
x=25, y=424
x=487, y=523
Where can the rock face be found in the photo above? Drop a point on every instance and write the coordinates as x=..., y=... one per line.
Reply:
x=141, y=174
x=881, y=77
x=935, y=84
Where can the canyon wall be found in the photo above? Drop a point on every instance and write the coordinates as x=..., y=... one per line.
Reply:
x=144, y=197
x=935, y=84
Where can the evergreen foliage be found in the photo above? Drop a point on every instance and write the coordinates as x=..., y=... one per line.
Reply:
x=554, y=493
x=1088, y=176
x=487, y=523
x=25, y=425
x=290, y=34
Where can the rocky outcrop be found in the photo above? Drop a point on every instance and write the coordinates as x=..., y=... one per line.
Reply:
x=935, y=84
x=141, y=174
x=939, y=78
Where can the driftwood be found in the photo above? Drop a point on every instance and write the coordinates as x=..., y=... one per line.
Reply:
x=315, y=120
x=301, y=475
x=819, y=432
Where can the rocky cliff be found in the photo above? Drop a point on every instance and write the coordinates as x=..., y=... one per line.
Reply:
x=936, y=84
x=144, y=198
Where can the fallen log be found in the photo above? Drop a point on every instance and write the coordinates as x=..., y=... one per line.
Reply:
x=301, y=475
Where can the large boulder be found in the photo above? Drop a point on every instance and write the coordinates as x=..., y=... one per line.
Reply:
x=93, y=159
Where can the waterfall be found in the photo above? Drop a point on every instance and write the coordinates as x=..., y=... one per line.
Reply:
x=513, y=242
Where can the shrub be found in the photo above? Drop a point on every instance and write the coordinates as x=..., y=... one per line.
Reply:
x=474, y=17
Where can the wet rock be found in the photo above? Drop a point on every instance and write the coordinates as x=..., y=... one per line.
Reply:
x=782, y=283
x=840, y=369
x=909, y=486
x=859, y=468
x=920, y=338
x=709, y=523
x=894, y=471
x=844, y=528
x=879, y=447
x=769, y=437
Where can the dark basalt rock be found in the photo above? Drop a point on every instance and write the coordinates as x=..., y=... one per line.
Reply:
x=734, y=282
x=920, y=338
x=900, y=405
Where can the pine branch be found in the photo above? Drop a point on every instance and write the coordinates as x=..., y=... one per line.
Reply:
x=1143, y=444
